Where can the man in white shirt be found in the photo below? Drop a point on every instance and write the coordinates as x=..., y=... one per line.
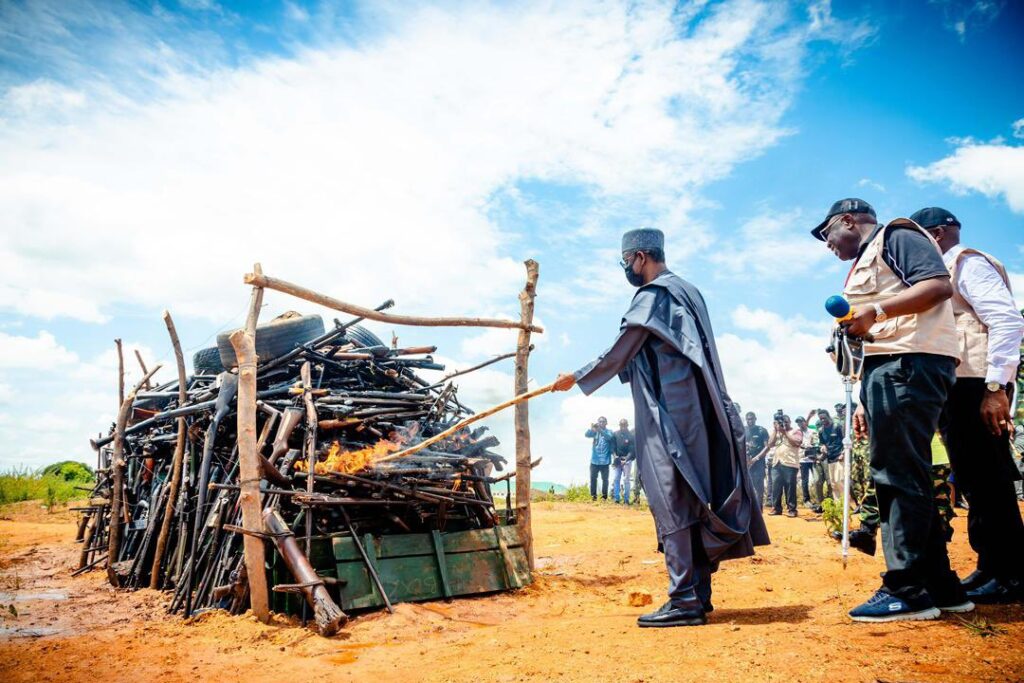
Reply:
x=977, y=421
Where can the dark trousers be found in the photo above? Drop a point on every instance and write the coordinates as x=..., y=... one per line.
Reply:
x=689, y=572
x=903, y=396
x=784, y=482
x=985, y=474
x=757, y=481
x=805, y=480
x=603, y=471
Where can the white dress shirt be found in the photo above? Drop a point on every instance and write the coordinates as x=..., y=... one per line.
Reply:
x=983, y=288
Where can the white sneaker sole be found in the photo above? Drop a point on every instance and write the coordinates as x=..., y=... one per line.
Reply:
x=958, y=609
x=920, y=615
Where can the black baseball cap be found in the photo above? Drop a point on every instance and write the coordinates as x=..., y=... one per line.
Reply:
x=850, y=205
x=933, y=217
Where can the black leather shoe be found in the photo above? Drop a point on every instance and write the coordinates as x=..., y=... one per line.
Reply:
x=668, y=615
x=861, y=539
x=974, y=580
x=996, y=592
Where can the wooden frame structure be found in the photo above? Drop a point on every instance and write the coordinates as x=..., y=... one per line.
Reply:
x=244, y=344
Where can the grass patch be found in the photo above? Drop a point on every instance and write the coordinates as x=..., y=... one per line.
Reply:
x=980, y=626
x=54, y=485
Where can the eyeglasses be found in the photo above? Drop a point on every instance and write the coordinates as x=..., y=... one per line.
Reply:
x=828, y=226
x=627, y=260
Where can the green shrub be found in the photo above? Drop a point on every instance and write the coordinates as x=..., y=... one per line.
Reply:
x=19, y=484
x=577, y=493
x=70, y=470
x=832, y=514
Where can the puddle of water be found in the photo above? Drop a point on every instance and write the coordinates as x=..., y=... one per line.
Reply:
x=40, y=595
x=10, y=632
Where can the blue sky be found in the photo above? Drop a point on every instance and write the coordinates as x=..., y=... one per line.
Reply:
x=150, y=152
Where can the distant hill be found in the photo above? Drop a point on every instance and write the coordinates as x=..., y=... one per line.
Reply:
x=545, y=486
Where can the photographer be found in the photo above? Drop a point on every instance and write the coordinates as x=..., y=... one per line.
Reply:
x=625, y=454
x=757, y=450
x=808, y=457
x=787, y=442
x=602, y=446
x=830, y=436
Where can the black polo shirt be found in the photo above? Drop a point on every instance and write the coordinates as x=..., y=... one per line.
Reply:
x=910, y=254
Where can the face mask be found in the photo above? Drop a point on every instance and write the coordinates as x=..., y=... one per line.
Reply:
x=634, y=279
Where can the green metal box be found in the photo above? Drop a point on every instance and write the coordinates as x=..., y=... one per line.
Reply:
x=430, y=566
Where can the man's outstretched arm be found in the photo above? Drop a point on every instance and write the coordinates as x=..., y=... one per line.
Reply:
x=608, y=364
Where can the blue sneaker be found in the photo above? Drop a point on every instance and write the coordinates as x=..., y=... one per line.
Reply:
x=884, y=606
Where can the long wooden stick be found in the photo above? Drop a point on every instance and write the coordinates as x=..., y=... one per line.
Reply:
x=244, y=343
x=179, y=456
x=260, y=280
x=120, y=373
x=522, y=413
x=117, y=464
x=468, y=421
x=138, y=357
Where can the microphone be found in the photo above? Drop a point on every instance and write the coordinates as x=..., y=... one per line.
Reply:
x=839, y=308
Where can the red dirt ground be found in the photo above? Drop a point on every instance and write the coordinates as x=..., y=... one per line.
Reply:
x=779, y=616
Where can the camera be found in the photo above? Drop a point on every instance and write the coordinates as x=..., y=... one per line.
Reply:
x=779, y=415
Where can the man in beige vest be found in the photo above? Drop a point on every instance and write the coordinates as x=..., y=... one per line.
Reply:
x=900, y=289
x=977, y=421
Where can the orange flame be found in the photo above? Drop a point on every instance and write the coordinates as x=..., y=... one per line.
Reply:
x=350, y=462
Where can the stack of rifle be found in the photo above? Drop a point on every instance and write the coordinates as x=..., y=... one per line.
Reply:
x=339, y=400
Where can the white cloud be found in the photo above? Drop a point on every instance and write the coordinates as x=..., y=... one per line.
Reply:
x=41, y=95
x=492, y=342
x=146, y=169
x=1018, y=128
x=331, y=174
x=848, y=35
x=295, y=12
x=962, y=16
x=871, y=184
x=993, y=168
x=783, y=365
x=56, y=400
x=770, y=247
x=42, y=352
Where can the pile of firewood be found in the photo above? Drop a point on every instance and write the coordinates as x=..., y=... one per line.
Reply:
x=333, y=414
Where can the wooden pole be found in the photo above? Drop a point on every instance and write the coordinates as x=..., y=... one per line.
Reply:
x=179, y=456
x=456, y=428
x=117, y=465
x=120, y=373
x=244, y=343
x=138, y=357
x=522, y=412
x=260, y=280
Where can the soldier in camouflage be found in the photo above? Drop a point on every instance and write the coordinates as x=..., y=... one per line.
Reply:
x=864, y=537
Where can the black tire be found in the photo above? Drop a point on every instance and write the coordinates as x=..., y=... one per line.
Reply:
x=363, y=337
x=275, y=338
x=207, y=362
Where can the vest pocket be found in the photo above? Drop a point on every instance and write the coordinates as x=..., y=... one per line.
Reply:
x=862, y=281
x=886, y=329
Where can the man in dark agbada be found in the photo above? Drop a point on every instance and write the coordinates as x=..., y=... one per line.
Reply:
x=689, y=438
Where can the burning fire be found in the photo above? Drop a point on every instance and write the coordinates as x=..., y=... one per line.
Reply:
x=350, y=462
